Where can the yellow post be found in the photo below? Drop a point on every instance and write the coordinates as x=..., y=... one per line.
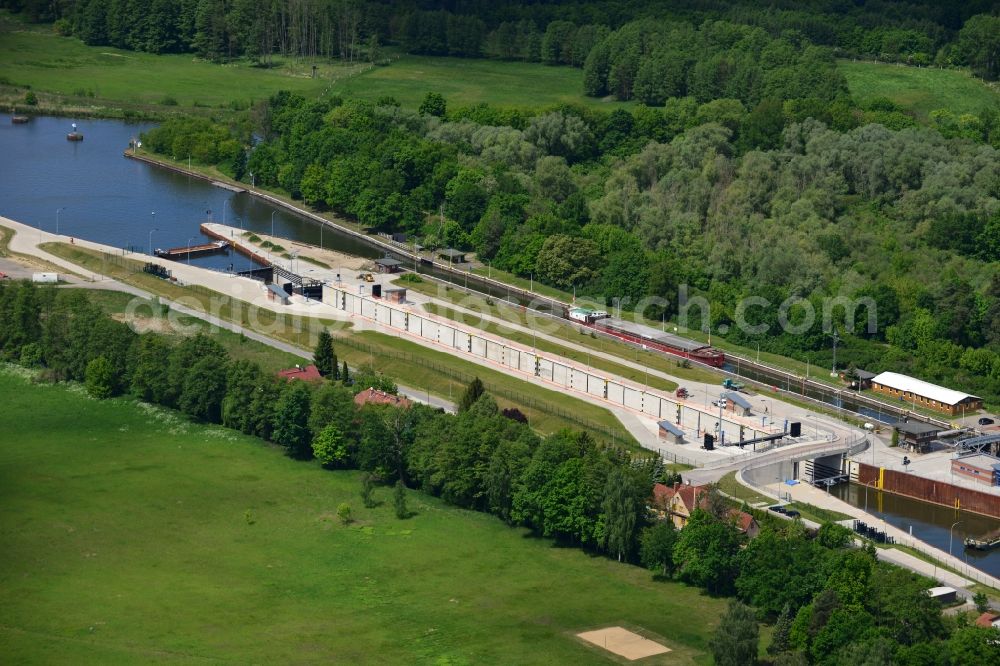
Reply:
x=881, y=478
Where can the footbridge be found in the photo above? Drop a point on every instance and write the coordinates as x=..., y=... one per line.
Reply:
x=814, y=462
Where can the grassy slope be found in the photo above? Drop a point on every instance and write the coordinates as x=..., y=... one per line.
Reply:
x=919, y=89
x=126, y=539
x=465, y=82
x=35, y=56
x=239, y=347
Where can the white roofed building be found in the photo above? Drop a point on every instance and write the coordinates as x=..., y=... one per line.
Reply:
x=924, y=394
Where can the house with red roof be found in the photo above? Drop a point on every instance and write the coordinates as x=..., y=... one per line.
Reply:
x=679, y=502
x=988, y=620
x=373, y=396
x=308, y=373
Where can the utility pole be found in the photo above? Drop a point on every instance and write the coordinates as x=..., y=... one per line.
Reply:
x=836, y=338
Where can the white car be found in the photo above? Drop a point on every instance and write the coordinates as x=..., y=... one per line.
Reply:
x=720, y=403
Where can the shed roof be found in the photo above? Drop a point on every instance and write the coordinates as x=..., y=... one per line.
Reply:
x=373, y=396
x=388, y=261
x=451, y=252
x=662, y=494
x=736, y=399
x=277, y=291
x=671, y=428
x=919, y=387
x=916, y=428
x=309, y=373
x=864, y=374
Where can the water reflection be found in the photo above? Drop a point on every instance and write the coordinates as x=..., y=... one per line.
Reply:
x=930, y=523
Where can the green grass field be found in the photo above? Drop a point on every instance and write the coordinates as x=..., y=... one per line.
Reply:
x=465, y=82
x=919, y=89
x=132, y=536
x=94, y=75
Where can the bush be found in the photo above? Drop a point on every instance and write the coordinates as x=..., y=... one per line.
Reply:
x=344, y=513
x=30, y=98
x=168, y=101
x=100, y=378
x=399, y=501
x=62, y=27
x=411, y=278
x=32, y=355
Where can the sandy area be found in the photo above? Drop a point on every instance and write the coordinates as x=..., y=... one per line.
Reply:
x=624, y=643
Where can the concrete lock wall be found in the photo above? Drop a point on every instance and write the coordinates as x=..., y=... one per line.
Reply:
x=560, y=375
x=397, y=319
x=633, y=399
x=524, y=361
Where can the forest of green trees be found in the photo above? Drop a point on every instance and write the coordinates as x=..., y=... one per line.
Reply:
x=919, y=32
x=829, y=603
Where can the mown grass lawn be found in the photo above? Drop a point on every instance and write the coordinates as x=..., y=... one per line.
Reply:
x=919, y=89
x=130, y=535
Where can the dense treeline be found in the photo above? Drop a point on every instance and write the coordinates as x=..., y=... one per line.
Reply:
x=917, y=32
x=831, y=604
x=567, y=486
x=796, y=199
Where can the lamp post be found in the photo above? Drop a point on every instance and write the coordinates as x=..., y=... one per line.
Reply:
x=225, y=203
x=151, y=241
x=951, y=534
x=272, y=224
x=189, y=250
x=867, y=486
x=58, y=210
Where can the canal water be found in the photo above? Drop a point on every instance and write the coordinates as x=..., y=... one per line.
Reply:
x=105, y=197
x=930, y=523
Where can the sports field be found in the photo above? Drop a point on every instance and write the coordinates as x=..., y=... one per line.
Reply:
x=130, y=535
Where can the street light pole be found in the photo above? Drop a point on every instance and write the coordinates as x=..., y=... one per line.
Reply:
x=189, y=250
x=950, y=534
x=151, y=241
x=58, y=210
x=272, y=224
x=225, y=203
